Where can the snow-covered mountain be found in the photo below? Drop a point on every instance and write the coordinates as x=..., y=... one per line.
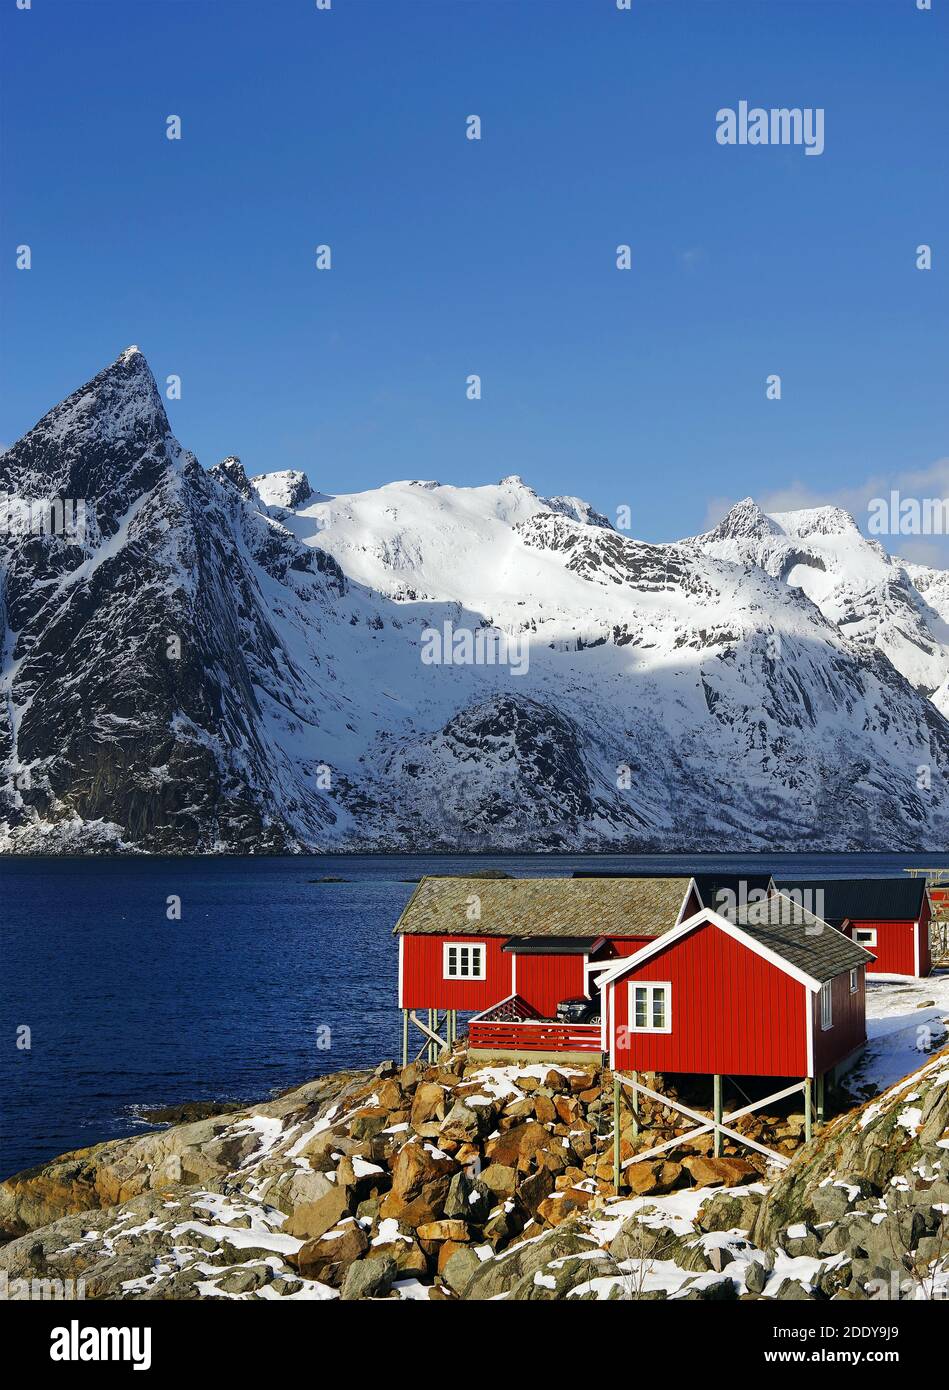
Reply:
x=876, y=600
x=246, y=664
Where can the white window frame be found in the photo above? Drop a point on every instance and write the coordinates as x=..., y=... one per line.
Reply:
x=478, y=959
x=827, y=1005
x=865, y=936
x=652, y=987
x=854, y=979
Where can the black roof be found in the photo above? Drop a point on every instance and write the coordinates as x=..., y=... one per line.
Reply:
x=549, y=945
x=881, y=899
x=725, y=892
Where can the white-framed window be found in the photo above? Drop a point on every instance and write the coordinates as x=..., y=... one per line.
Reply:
x=463, y=960
x=865, y=936
x=854, y=981
x=650, y=1007
x=827, y=1005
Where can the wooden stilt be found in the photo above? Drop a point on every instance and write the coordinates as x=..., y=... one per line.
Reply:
x=635, y=1102
x=616, y=1134
x=405, y=1037
x=808, y=1108
x=820, y=1098
x=717, y=1112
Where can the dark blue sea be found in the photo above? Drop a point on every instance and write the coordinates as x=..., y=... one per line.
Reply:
x=129, y=1010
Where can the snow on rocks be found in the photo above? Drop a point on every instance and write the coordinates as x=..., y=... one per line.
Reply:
x=393, y=1185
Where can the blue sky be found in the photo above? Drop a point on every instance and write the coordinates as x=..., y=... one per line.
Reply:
x=495, y=257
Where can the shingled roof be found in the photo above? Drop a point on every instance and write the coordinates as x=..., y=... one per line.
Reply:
x=797, y=936
x=567, y=907
x=779, y=925
x=866, y=899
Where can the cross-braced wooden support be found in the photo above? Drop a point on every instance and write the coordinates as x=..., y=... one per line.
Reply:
x=720, y=1124
x=435, y=1041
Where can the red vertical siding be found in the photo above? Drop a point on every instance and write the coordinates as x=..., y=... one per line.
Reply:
x=422, y=968
x=849, y=1027
x=732, y=1012
x=895, y=949
x=544, y=980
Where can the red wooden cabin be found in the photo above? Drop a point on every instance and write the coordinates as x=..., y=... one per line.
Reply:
x=888, y=916
x=772, y=992
x=511, y=950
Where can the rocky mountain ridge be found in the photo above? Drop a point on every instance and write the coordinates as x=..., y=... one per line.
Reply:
x=230, y=664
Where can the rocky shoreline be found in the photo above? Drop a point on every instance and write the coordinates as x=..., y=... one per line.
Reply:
x=461, y=1180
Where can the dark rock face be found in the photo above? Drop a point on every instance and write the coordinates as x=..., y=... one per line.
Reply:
x=140, y=651
x=507, y=767
x=231, y=470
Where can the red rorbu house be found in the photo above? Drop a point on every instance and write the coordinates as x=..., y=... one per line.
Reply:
x=889, y=917
x=525, y=957
x=772, y=991
x=640, y=970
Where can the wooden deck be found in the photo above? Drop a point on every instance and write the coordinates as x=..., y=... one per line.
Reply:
x=514, y=1027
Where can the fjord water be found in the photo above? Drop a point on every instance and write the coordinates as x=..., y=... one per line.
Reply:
x=129, y=1009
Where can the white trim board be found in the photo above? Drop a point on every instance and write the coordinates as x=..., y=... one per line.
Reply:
x=688, y=892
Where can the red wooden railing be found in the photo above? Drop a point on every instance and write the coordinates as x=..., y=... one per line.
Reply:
x=541, y=1036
